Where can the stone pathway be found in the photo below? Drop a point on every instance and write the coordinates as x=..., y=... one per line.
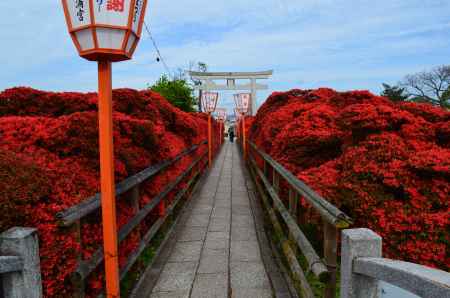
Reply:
x=217, y=252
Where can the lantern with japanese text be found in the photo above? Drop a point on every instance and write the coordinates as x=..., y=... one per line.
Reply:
x=105, y=29
x=221, y=114
x=237, y=114
x=221, y=117
x=209, y=101
x=242, y=101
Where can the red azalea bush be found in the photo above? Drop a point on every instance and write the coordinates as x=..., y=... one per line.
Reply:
x=248, y=123
x=49, y=162
x=385, y=164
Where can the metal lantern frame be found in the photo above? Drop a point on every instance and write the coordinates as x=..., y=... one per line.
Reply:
x=111, y=35
x=209, y=101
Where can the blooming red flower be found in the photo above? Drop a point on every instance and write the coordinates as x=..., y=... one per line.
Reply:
x=49, y=162
x=386, y=164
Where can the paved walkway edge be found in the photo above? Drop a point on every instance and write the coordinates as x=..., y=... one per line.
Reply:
x=281, y=284
x=220, y=245
x=150, y=276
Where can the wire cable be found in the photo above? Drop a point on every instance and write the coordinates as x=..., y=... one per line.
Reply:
x=158, y=52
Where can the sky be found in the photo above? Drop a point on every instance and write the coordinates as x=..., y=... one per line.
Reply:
x=341, y=44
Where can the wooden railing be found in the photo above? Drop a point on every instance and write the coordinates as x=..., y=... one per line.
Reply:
x=288, y=232
x=129, y=189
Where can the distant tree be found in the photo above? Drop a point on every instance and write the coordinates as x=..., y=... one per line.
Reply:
x=446, y=98
x=176, y=91
x=201, y=67
x=430, y=86
x=394, y=93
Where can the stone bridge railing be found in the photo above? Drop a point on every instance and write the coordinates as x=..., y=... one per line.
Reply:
x=20, y=274
x=362, y=267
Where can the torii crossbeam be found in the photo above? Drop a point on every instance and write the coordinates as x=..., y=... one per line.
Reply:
x=207, y=82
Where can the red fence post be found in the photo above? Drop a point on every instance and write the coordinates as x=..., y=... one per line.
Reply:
x=244, y=141
x=210, y=140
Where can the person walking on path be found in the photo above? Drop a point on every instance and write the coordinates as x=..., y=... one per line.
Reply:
x=231, y=133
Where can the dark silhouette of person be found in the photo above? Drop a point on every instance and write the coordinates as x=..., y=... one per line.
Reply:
x=231, y=133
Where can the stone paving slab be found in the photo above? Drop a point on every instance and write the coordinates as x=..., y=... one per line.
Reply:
x=186, y=252
x=178, y=278
x=251, y=293
x=214, y=264
x=173, y=294
x=211, y=286
x=190, y=234
x=217, y=253
x=246, y=251
x=249, y=275
x=243, y=234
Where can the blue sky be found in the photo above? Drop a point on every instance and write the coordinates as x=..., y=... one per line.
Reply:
x=342, y=44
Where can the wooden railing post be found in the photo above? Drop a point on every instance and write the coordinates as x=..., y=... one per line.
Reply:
x=330, y=254
x=293, y=208
x=293, y=203
x=134, y=198
x=275, y=183
x=265, y=169
x=301, y=213
x=77, y=282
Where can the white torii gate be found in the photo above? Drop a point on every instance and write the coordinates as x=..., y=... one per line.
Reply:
x=207, y=82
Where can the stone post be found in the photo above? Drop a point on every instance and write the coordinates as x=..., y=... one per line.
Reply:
x=358, y=243
x=23, y=243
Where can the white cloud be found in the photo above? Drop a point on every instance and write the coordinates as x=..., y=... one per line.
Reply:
x=309, y=43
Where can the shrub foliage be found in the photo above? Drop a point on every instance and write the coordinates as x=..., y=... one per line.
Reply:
x=386, y=164
x=49, y=162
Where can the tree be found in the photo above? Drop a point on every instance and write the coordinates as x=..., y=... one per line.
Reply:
x=201, y=67
x=176, y=91
x=446, y=98
x=430, y=86
x=394, y=93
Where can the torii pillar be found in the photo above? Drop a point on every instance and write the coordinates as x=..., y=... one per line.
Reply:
x=207, y=83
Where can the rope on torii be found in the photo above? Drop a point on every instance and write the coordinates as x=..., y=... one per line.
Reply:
x=207, y=82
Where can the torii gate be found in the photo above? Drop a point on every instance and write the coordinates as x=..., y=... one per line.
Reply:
x=207, y=82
